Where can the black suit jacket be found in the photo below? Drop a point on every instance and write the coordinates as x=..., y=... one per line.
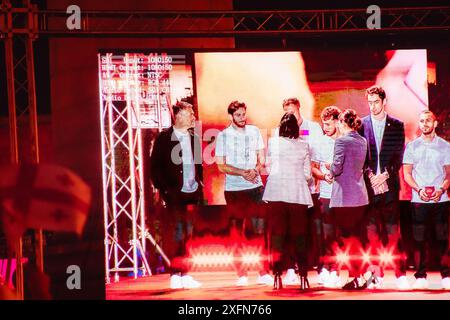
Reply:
x=166, y=163
x=391, y=153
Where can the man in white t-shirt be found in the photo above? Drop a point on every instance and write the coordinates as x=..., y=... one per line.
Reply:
x=310, y=132
x=323, y=157
x=426, y=167
x=240, y=155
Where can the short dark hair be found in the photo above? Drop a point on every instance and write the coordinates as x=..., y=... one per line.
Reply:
x=376, y=90
x=291, y=100
x=350, y=117
x=428, y=112
x=234, y=105
x=331, y=112
x=289, y=126
x=180, y=105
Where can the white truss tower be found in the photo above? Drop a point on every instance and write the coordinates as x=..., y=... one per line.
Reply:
x=122, y=171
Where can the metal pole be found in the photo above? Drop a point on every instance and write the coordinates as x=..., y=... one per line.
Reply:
x=14, y=150
x=103, y=115
x=39, y=251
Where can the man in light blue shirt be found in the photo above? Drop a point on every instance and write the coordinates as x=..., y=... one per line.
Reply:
x=427, y=171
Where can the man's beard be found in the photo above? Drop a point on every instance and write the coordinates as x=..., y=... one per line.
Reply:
x=238, y=124
x=427, y=131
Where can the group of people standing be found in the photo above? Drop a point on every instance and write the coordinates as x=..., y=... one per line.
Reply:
x=345, y=175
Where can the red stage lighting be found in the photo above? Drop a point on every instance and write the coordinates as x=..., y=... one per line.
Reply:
x=366, y=258
x=251, y=258
x=342, y=259
x=386, y=257
x=212, y=259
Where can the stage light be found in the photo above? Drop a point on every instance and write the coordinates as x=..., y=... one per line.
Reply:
x=212, y=259
x=251, y=258
x=366, y=257
x=386, y=258
x=342, y=258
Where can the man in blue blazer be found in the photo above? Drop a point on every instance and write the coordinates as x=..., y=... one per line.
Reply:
x=385, y=136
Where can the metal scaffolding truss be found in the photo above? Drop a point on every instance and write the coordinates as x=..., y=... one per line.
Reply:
x=123, y=180
x=228, y=23
x=21, y=89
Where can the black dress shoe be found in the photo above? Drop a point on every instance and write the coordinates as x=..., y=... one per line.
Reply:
x=352, y=285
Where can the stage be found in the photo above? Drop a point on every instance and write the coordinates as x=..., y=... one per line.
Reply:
x=220, y=286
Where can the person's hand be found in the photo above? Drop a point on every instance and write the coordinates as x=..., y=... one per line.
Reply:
x=328, y=178
x=251, y=175
x=423, y=195
x=328, y=166
x=378, y=180
x=436, y=196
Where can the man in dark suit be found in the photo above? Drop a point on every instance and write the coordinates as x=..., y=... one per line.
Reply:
x=176, y=171
x=385, y=136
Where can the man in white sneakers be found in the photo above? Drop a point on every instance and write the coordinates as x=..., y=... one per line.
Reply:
x=426, y=167
x=240, y=155
x=323, y=157
x=176, y=171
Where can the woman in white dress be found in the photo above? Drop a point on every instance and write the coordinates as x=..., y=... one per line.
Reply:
x=288, y=198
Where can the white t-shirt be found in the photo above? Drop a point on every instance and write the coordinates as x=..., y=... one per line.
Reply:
x=378, y=132
x=324, y=153
x=189, y=183
x=428, y=160
x=240, y=151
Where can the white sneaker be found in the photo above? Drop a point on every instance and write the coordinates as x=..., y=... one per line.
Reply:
x=242, y=281
x=402, y=283
x=420, y=284
x=445, y=283
x=189, y=282
x=361, y=281
x=333, y=281
x=175, y=282
x=291, y=278
x=266, y=279
x=323, y=276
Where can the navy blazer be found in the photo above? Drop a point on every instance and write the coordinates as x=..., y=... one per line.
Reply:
x=391, y=153
x=166, y=162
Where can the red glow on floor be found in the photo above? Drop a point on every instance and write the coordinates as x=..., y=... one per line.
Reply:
x=212, y=253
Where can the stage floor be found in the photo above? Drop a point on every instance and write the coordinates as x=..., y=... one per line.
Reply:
x=220, y=286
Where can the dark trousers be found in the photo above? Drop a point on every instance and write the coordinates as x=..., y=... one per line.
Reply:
x=289, y=231
x=383, y=224
x=429, y=217
x=315, y=231
x=245, y=212
x=349, y=221
x=177, y=228
x=328, y=230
